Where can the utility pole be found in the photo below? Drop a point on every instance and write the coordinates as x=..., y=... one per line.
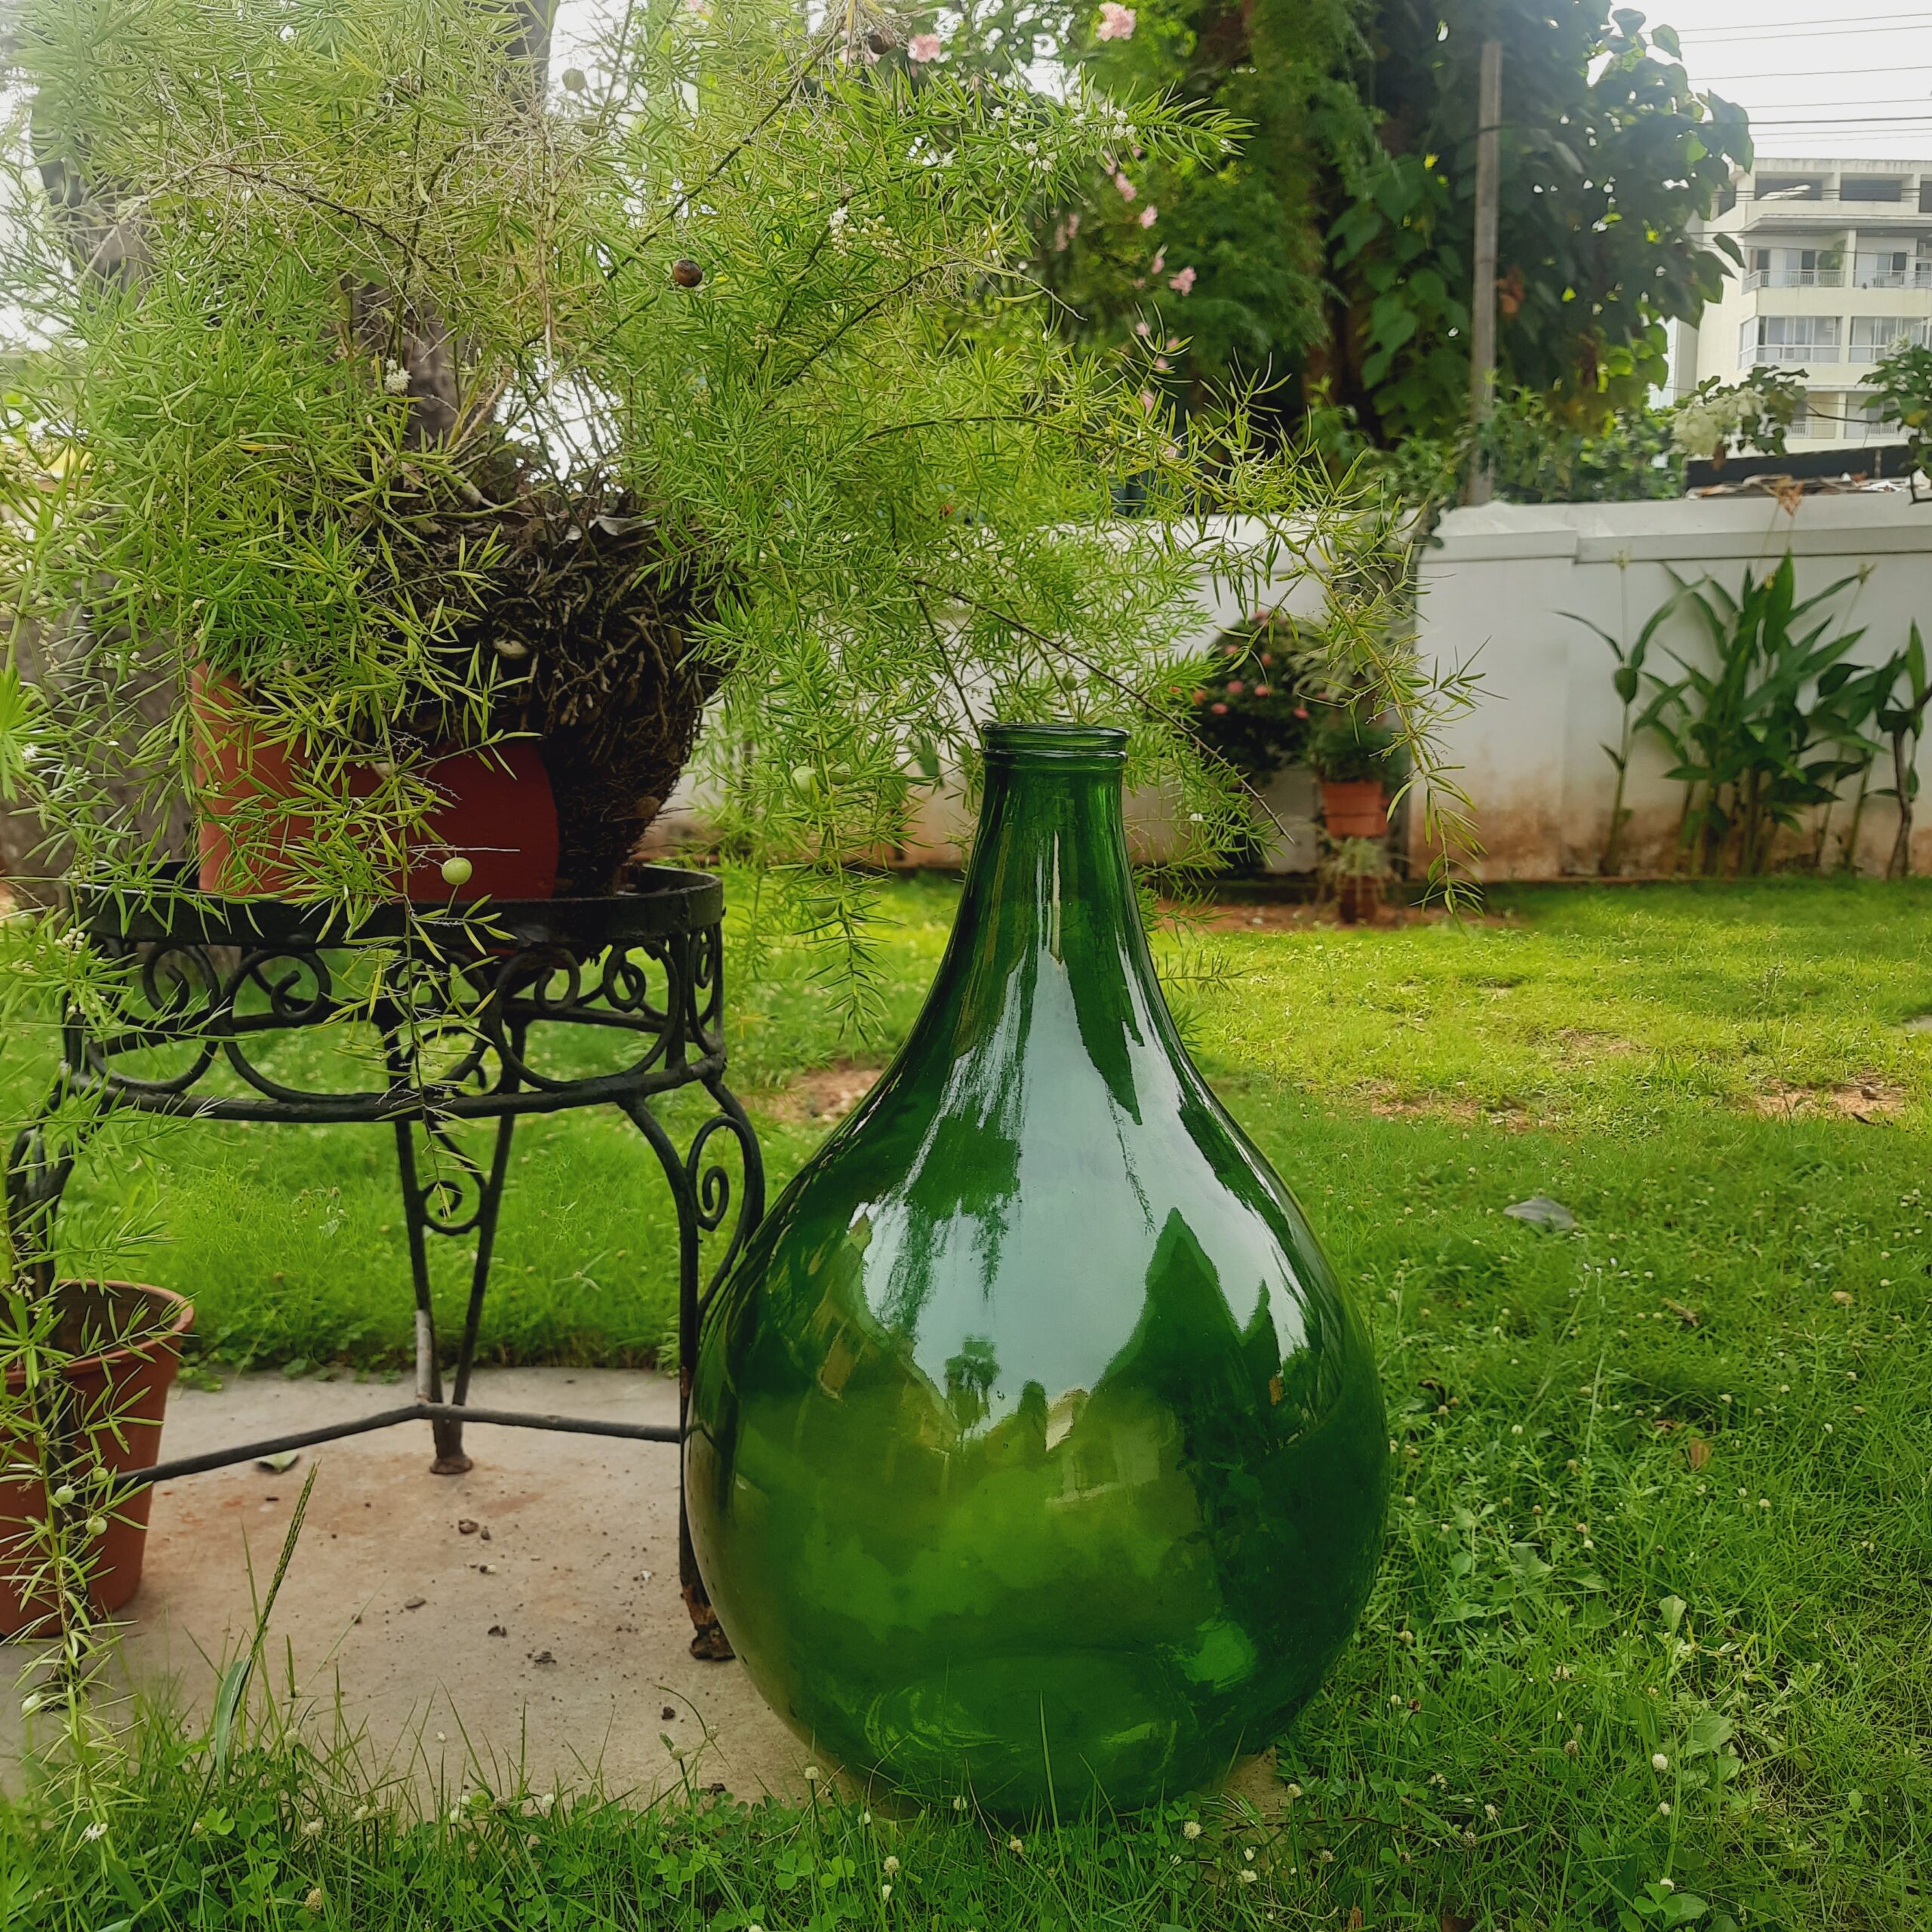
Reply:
x=1482, y=295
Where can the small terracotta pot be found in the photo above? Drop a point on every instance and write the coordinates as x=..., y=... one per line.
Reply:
x=119, y=1396
x=1358, y=901
x=500, y=813
x=1355, y=808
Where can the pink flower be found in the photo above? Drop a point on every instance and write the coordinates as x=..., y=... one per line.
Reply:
x=1161, y=363
x=1147, y=400
x=1301, y=711
x=1149, y=215
x=1183, y=283
x=925, y=47
x=1141, y=328
x=1236, y=687
x=1059, y=239
x=1160, y=260
x=1219, y=710
x=1116, y=22
x=1073, y=225
x=1127, y=190
x=1264, y=691
x=1199, y=695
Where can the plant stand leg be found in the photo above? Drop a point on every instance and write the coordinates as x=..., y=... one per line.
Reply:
x=709, y=1644
x=37, y=1178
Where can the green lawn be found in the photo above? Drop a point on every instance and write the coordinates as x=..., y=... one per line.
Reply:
x=1663, y=1484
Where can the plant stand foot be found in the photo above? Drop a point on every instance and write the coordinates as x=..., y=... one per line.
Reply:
x=709, y=1644
x=458, y=1465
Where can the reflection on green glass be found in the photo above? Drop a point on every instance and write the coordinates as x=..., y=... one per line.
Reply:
x=1035, y=1447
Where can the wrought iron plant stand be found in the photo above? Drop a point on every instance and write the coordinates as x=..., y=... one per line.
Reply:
x=458, y=1019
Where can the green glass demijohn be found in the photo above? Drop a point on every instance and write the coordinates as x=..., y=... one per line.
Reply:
x=1035, y=1450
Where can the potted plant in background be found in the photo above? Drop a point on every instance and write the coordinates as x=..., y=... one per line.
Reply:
x=1350, y=752
x=1249, y=714
x=94, y=1364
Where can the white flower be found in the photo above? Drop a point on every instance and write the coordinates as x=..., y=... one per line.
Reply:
x=1666, y=1884
x=811, y=1774
x=1117, y=23
x=1190, y=1829
x=98, y=1829
x=1249, y=1878
x=884, y=1892
x=891, y=1866
x=1659, y=1762
x=1014, y=1844
x=396, y=379
x=959, y=1804
x=1663, y=1809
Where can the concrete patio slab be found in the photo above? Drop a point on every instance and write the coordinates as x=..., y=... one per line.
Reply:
x=524, y=1615
x=550, y=1633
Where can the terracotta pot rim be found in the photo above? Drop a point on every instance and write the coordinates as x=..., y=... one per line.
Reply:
x=142, y=1349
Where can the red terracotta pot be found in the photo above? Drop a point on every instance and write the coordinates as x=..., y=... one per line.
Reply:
x=500, y=813
x=120, y=1394
x=1355, y=808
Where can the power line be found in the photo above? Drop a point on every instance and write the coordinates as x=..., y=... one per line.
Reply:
x=1782, y=26
x=1819, y=73
x=1821, y=26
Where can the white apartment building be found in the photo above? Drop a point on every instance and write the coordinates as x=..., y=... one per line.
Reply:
x=1838, y=268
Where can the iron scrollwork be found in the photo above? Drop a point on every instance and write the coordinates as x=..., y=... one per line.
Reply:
x=534, y=1007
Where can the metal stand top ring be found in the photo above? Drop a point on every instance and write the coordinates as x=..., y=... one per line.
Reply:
x=471, y=1007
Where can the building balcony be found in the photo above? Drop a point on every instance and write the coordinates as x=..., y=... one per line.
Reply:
x=1767, y=352
x=1778, y=277
x=1886, y=274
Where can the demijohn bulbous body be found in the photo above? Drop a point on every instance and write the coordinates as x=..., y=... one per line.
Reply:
x=1034, y=1450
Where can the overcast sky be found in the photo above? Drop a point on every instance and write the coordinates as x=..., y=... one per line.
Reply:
x=1856, y=81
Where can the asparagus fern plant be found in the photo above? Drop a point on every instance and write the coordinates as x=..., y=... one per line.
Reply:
x=696, y=400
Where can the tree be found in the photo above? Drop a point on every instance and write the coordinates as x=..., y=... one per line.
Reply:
x=1325, y=261
x=1608, y=155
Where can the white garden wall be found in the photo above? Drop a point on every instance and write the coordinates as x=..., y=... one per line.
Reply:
x=1494, y=594
x=1495, y=590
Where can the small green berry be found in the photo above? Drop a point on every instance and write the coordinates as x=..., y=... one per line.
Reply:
x=457, y=872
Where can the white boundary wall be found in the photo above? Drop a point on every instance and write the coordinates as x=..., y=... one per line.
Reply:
x=1494, y=593
x=1495, y=590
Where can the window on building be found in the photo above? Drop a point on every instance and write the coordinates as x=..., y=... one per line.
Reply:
x=1788, y=339
x=1871, y=187
x=1874, y=338
x=1789, y=187
x=1925, y=197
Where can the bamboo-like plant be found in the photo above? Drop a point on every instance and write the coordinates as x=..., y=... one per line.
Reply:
x=1627, y=680
x=1745, y=736
x=1901, y=716
x=703, y=388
